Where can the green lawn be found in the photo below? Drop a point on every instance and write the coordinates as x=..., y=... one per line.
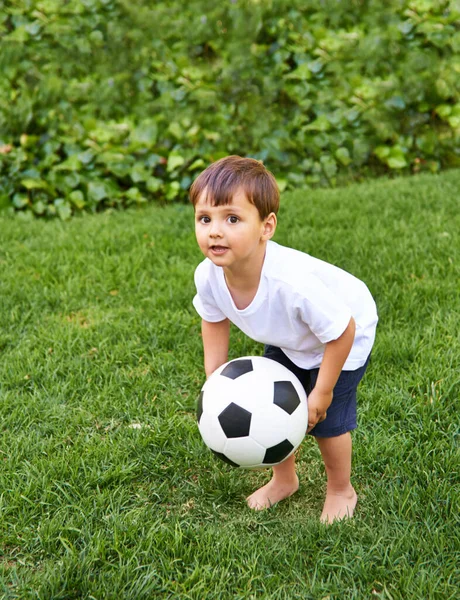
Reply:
x=106, y=490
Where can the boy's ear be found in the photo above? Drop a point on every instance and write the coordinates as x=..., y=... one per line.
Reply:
x=269, y=227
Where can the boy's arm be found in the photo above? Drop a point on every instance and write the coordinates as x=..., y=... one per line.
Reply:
x=216, y=338
x=334, y=358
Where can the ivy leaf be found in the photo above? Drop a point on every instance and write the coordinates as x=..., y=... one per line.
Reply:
x=135, y=195
x=39, y=207
x=320, y=124
x=454, y=118
x=382, y=152
x=197, y=164
x=343, y=156
x=86, y=157
x=72, y=180
x=97, y=191
x=153, y=184
x=73, y=163
x=63, y=209
x=396, y=159
x=176, y=130
x=316, y=66
x=303, y=72
x=397, y=162
x=20, y=201
x=139, y=173
x=145, y=135
x=174, y=161
x=172, y=191
x=185, y=182
x=77, y=199
x=396, y=102
x=153, y=160
x=19, y=34
x=34, y=184
x=443, y=88
x=97, y=37
x=329, y=165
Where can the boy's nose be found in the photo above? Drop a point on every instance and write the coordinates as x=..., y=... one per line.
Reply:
x=215, y=230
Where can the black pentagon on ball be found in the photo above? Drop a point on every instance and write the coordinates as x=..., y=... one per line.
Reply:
x=285, y=396
x=199, y=407
x=238, y=367
x=225, y=458
x=277, y=453
x=235, y=421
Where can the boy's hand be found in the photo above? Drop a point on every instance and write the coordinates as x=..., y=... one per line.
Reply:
x=318, y=403
x=334, y=358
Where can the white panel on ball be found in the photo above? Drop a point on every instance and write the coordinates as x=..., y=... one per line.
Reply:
x=211, y=432
x=244, y=451
x=217, y=396
x=262, y=425
x=252, y=392
x=298, y=424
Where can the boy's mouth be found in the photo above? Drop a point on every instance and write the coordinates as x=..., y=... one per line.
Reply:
x=218, y=249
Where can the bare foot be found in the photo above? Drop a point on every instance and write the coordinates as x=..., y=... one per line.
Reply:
x=272, y=492
x=338, y=506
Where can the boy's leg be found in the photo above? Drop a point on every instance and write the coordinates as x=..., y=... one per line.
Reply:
x=284, y=481
x=334, y=440
x=283, y=484
x=341, y=497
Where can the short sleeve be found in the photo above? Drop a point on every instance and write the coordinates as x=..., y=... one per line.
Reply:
x=204, y=302
x=326, y=315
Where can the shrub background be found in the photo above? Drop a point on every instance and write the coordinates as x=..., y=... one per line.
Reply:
x=112, y=103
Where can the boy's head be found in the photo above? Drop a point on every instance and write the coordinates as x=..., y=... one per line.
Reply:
x=222, y=179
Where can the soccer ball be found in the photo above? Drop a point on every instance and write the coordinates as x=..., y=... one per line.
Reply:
x=252, y=412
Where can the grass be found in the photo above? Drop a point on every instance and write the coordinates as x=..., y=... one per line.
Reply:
x=106, y=490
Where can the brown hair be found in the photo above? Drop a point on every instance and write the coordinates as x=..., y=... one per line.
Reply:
x=225, y=177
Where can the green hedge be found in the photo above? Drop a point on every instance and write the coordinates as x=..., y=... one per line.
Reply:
x=112, y=103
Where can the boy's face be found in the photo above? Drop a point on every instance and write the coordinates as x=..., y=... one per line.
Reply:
x=232, y=235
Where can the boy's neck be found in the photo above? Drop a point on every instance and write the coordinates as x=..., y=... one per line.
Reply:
x=246, y=277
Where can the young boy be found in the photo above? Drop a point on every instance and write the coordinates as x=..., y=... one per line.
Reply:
x=314, y=318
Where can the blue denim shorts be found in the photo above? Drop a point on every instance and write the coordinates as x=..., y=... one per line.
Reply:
x=341, y=414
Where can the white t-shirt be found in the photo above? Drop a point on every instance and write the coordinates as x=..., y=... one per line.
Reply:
x=301, y=304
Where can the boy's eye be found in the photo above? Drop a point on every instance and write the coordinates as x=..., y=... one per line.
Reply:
x=204, y=219
x=233, y=219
